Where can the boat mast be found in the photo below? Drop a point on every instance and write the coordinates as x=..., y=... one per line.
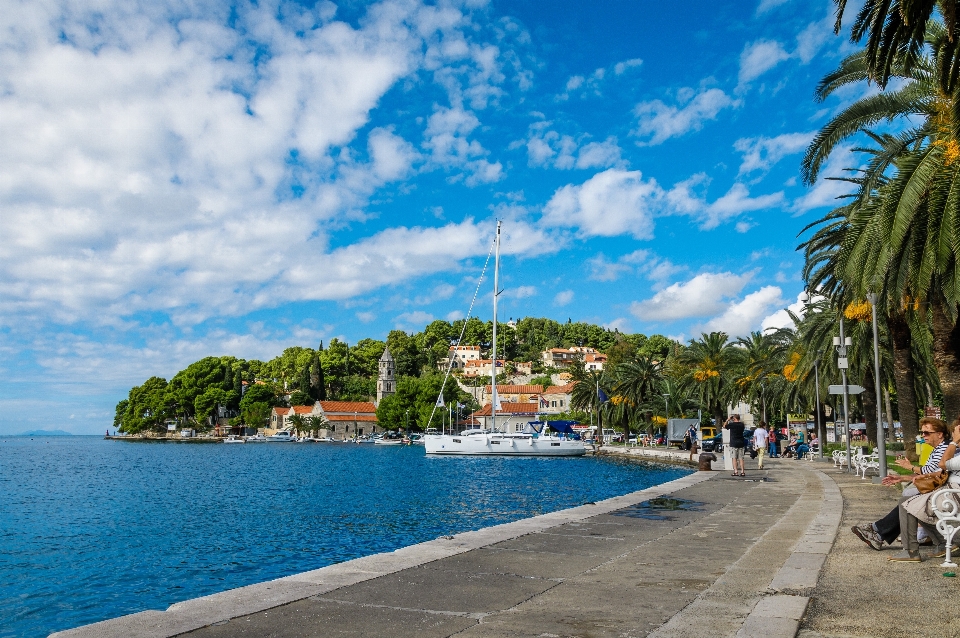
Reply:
x=496, y=293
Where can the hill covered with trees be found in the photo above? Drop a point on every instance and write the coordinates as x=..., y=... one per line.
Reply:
x=343, y=372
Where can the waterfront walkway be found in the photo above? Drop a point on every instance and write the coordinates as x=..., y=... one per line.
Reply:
x=705, y=555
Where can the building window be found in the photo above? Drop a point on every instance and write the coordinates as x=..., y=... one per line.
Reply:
x=360, y=432
x=561, y=403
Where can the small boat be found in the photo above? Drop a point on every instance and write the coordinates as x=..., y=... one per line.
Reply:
x=283, y=436
x=390, y=438
x=233, y=438
x=415, y=439
x=256, y=438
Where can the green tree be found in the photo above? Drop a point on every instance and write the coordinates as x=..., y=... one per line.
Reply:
x=299, y=397
x=206, y=404
x=408, y=359
x=256, y=414
x=898, y=236
x=148, y=405
x=118, y=414
x=712, y=362
x=259, y=393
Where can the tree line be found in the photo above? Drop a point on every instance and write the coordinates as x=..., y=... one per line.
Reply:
x=249, y=389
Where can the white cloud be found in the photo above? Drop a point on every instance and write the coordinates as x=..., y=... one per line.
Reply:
x=825, y=192
x=639, y=261
x=392, y=155
x=549, y=148
x=562, y=298
x=610, y=203
x=766, y=5
x=599, y=154
x=684, y=199
x=447, y=139
x=780, y=318
x=759, y=57
x=148, y=165
x=519, y=292
x=742, y=317
x=743, y=227
x=701, y=296
x=622, y=67
x=621, y=324
x=658, y=122
x=415, y=320
x=366, y=317
x=761, y=153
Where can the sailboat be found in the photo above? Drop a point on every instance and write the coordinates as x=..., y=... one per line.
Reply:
x=532, y=441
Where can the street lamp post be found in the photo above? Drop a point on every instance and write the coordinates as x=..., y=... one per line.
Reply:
x=666, y=417
x=881, y=435
x=842, y=343
x=816, y=380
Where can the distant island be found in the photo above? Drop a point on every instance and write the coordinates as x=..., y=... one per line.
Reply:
x=46, y=433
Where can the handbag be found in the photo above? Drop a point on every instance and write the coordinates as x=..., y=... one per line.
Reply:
x=930, y=482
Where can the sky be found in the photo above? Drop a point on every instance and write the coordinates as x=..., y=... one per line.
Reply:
x=180, y=179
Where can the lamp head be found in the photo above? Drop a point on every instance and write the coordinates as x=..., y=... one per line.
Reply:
x=848, y=341
x=836, y=341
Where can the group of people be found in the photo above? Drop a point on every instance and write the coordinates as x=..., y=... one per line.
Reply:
x=915, y=509
x=764, y=442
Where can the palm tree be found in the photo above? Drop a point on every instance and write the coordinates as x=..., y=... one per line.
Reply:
x=585, y=395
x=762, y=358
x=712, y=360
x=635, y=385
x=899, y=237
x=895, y=32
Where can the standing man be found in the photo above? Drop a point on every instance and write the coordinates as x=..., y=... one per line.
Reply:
x=737, y=444
x=760, y=438
x=692, y=435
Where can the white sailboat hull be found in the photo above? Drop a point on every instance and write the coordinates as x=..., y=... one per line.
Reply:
x=501, y=445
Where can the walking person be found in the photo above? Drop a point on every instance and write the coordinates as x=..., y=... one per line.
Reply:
x=760, y=439
x=737, y=444
x=692, y=436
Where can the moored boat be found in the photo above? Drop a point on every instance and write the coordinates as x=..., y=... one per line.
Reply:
x=483, y=441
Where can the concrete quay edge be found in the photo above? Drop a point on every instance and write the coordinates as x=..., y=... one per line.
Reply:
x=779, y=615
x=196, y=613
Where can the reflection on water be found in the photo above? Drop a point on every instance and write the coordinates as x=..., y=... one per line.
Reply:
x=93, y=529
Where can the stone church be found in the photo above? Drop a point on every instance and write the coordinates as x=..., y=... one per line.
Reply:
x=386, y=381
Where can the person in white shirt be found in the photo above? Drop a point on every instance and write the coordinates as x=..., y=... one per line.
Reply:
x=760, y=438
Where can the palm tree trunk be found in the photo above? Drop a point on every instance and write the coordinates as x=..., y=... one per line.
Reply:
x=946, y=342
x=905, y=380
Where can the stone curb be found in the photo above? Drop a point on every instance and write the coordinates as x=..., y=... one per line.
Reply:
x=779, y=615
x=196, y=613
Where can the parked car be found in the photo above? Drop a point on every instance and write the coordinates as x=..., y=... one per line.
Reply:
x=715, y=444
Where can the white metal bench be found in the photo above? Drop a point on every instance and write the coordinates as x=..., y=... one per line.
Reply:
x=946, y=505
x=839, y=458
x=862, y=463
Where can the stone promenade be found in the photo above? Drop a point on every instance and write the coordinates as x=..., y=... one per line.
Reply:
x=706, y=555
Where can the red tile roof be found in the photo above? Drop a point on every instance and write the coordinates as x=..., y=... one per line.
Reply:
x=348, y=407
x=281, y=411
x=516, y=389
x=349, y=417
x=560, y=389
x=508, y=408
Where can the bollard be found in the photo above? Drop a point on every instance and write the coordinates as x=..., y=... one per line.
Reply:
x=704, y=461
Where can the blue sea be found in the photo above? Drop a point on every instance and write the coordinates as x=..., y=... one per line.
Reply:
x=93, y=529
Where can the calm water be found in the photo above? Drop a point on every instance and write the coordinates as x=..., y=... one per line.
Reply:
x=93, y=529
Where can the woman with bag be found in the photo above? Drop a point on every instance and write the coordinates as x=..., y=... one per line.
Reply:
x=918, y=496
x=887, y=529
